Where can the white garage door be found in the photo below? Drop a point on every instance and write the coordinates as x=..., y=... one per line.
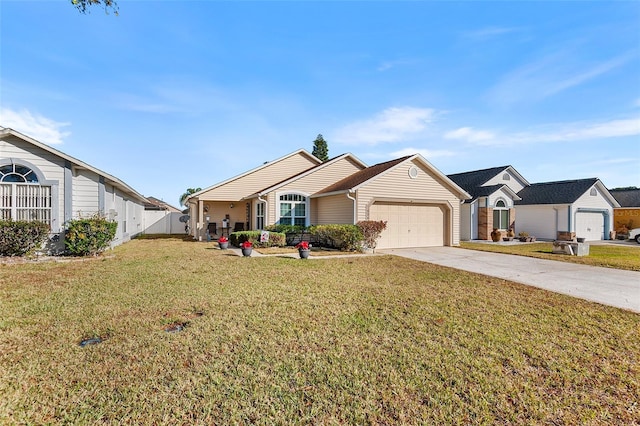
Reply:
x=590, y=226
x=409, y=225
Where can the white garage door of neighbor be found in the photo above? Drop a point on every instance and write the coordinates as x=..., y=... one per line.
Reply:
x=590, y=226
x=409, y=225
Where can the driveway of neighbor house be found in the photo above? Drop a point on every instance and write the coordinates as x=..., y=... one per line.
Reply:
x=611, y=287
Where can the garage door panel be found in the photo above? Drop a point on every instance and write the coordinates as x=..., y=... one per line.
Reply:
x=590, y=226
x=409, y=225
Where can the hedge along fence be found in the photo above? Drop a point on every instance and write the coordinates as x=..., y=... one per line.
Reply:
x=19, y=238
x=89, y=236
x=276, y=239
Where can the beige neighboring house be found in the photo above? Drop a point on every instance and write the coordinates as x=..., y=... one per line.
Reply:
x=420, y=204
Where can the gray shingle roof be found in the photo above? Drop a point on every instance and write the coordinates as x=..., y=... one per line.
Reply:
x=626, y=197
x=561, y=192
x=470, y=181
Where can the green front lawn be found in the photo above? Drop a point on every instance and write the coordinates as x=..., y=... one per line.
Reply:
x=274, y=340
x=609, y=256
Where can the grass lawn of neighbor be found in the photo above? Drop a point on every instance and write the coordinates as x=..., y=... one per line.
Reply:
x=609, y=256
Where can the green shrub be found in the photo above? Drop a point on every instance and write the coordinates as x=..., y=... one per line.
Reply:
x=276, y=239
x=286, y=229
x=90, y=236
x=20, y=237
x=371, y=230
x=342, y=237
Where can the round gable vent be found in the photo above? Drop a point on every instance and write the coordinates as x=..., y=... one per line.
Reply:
x=413, y=172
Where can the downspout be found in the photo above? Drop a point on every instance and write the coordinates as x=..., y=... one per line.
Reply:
x=354, y=205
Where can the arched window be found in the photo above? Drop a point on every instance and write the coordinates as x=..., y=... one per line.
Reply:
x=501, y=215
x=293, y=209
x=17, y=173
x=21, y=195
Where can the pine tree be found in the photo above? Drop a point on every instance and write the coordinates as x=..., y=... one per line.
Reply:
x=320, y=149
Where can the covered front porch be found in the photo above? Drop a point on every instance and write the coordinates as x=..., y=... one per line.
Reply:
x=211, y=219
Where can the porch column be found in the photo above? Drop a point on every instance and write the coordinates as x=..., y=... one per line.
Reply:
x=200, y=223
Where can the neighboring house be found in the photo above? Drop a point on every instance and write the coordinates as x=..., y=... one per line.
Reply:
x=493, y=193
x=563, y=210
x=628, y=215
x=162, y=218
x=419, y=203
x=38, y=182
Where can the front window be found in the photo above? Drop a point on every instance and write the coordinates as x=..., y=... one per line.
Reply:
x=293, y=209
x=22, y=197
x=501, y=215
x=260, y=215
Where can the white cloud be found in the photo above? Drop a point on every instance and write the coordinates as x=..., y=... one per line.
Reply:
x=391, y=125
x=548, y=76
x=426, y=153
x=387, y=65
x=33, y=125
x=468, y=134
x=581, y=131
x=567, y=132
x=489, y=32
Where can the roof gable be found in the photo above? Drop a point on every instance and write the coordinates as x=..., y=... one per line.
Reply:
x=356, y=180
x=276, y=164
x=470, y=180
x=5, y=132
x=486, y=191
x=328, y=163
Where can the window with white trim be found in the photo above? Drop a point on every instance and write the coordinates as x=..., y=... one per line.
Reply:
x=501, y=215
x=21, y=195
x=293, y=209
x=260, y=215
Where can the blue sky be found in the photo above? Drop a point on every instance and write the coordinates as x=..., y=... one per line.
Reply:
x=175, y=94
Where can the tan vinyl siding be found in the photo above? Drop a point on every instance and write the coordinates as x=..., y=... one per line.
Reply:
x=85, y=193
x=312, y=183
x=397, y=185
x=264, y=177
x=334, y=209
x=322, y=178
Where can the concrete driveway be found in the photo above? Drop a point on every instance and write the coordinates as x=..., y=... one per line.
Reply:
x=611, y=287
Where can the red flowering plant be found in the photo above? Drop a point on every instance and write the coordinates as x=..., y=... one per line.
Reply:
x=246, y=245
x=223, y=239
x=303, y=245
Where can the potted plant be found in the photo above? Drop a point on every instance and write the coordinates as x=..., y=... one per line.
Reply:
x=223, y=243
x=247, y=248
x=304, y=249
x=496, y=235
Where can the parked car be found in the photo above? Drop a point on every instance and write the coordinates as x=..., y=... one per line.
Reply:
x=634, y=234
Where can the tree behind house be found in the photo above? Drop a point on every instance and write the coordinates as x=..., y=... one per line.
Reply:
x=320, y=149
